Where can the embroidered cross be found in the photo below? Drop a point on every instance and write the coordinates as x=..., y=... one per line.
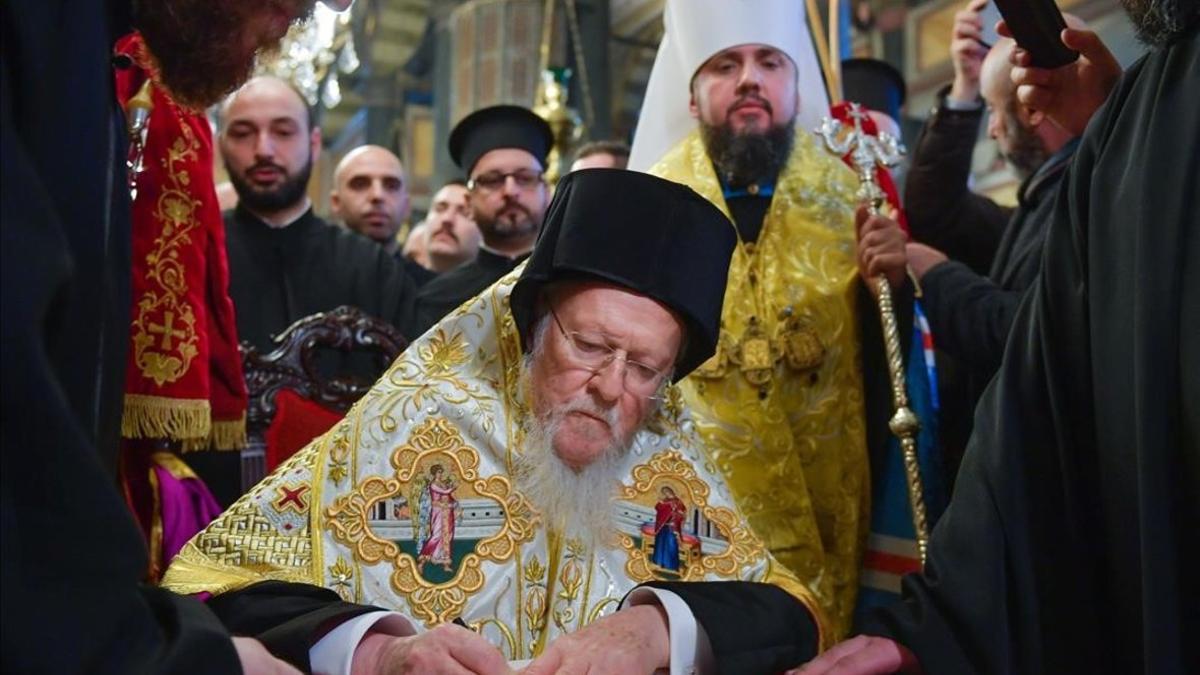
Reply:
x=291, y=497
x=166, y=330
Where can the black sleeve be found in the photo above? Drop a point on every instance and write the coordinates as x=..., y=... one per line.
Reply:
x=396, y=289
x=443, y=295
x=752, y=627
x=942, y=211
x=969, y=314
x=287, y=618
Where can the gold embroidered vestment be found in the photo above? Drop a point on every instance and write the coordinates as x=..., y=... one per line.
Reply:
x=780, y=406
x=408, y=503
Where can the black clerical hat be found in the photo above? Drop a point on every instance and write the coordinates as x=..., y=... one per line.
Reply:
x=641, y=232
x=500, y=126
x=874, y=84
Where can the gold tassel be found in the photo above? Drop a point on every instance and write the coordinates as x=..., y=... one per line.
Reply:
x=229, y=434
x=167, y=418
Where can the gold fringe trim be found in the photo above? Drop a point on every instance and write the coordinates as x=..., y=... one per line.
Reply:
x=225, y=436
x=174, y=419
x=229, y=434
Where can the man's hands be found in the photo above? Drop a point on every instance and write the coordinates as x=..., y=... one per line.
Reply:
x=880, y=248
x=1071, y=94
x=967, y=52
x=445, y=650
x=256, y=660
x=633, y=641
x=922, y=258
x=863, y=655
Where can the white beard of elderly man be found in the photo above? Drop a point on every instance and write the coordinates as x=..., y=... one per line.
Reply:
x=524, y=485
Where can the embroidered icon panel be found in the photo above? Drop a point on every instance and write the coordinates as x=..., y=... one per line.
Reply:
x=435, y=521
x=670, y=530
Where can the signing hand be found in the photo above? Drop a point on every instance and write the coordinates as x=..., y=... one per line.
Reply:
x=862, y=655
x=256, y=660
x=967, y=52
x=880, y=248
x=447, y=649
x=633, y=641
x=1070, y=94
x=922, y=258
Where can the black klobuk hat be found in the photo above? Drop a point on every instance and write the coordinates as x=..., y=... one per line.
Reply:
x=499, y=126
x=649, y=235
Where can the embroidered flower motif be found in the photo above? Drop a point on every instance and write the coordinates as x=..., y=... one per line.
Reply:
x=341, y=574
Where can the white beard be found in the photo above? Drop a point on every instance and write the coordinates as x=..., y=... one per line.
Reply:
x=576, y=504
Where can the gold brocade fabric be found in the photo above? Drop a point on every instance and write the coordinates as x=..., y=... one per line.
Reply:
x=409, y=503
x=780, y=406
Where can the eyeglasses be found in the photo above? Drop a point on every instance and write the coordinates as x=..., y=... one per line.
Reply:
x=495, y=180
x=590, y=351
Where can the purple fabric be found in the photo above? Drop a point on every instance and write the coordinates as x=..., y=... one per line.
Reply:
x=186, y=506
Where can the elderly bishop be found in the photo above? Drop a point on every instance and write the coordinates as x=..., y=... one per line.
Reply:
x=499, y=495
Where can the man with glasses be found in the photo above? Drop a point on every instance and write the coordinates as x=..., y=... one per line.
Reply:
x=547, y=405
x=503, y=151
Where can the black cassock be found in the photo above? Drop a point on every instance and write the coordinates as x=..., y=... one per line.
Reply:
x=444, y=294
x=280, y=275
x=752, y=627
x=1071, y=543
x=70, y=553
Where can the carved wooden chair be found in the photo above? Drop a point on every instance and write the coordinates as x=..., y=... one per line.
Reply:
x=290, y=372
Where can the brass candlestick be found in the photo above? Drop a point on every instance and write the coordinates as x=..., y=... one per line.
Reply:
x=866, y=153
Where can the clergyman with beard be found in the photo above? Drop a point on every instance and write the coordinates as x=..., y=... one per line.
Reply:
x=285, y=263
x=973, y=258
x=795, y=401
x=73, y=558
x=502, y=150
x=1069, y=543
x=525, y=442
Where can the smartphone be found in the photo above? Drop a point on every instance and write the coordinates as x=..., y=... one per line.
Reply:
x=989, y=16
x=1037, y=26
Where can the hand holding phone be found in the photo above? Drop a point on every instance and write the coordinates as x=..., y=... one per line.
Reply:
x=1068, y=95
x=1037, y=27
x=967, y=50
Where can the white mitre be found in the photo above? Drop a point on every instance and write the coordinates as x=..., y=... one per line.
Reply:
x=697, y=29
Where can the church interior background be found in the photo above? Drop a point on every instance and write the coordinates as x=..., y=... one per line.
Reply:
x=401, y=73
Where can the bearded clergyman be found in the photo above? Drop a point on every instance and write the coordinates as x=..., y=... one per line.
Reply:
x=795, y=402
x=525, y=482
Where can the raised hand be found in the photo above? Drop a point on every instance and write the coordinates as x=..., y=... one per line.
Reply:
x=967, y=51
x=1071, y=94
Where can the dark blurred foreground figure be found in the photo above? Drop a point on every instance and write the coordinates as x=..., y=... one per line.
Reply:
x=71, y=555
x=1069, y=546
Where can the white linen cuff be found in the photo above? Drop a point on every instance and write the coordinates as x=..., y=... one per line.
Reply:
x=691, y=652
x=334, y=653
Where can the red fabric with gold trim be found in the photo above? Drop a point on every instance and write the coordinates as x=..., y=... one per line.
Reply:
x=183, y=380
x=841, y=112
